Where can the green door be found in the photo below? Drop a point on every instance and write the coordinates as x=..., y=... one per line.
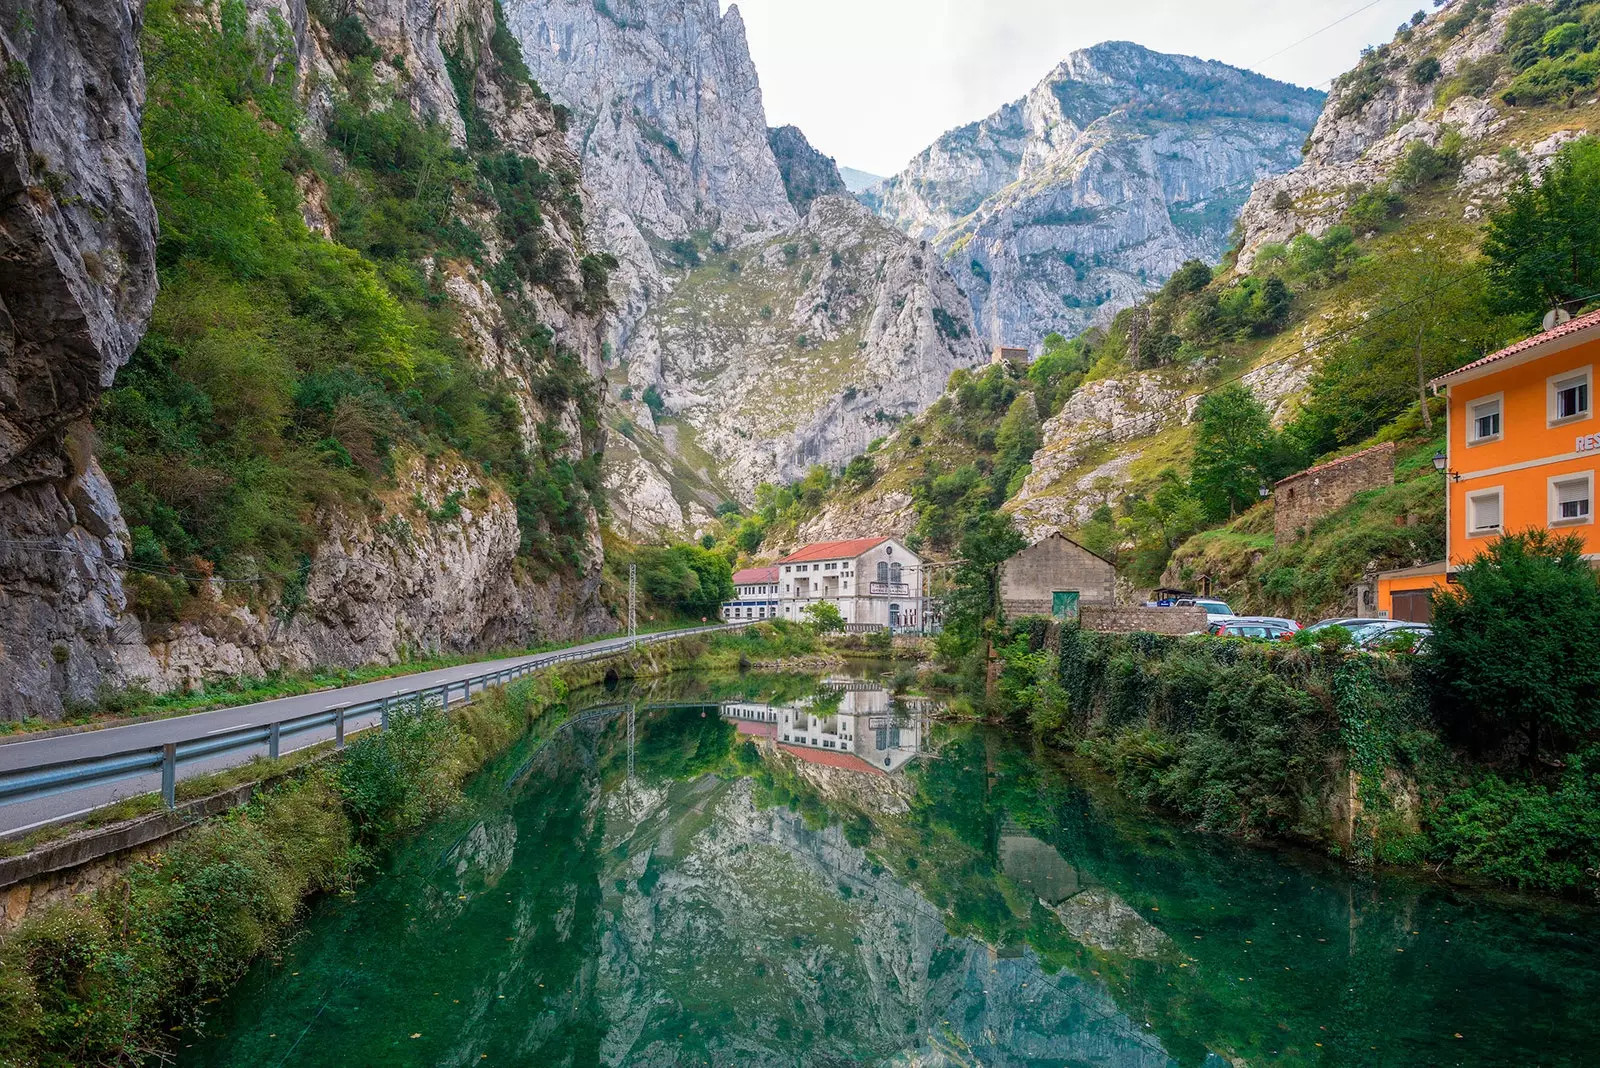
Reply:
x=1064, y=604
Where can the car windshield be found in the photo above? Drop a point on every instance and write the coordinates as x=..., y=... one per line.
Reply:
x=1215, y=607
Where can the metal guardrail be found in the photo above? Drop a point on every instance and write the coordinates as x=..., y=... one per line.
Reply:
x=45, y=780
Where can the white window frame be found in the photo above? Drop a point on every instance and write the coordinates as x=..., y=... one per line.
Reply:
x=1472, y=419
x=1471, y=501
x=1550, y=384
x=1555, y=504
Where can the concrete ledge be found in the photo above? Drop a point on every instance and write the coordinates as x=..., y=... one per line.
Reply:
x=102, y=842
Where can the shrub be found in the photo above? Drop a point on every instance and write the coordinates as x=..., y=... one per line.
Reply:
x=1525, y=834
x=1517, y=642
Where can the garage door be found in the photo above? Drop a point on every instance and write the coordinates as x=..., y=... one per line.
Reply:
x=1413, y=606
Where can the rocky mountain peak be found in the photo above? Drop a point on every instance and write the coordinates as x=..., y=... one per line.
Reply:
x=807, y=173
x=1062, y=207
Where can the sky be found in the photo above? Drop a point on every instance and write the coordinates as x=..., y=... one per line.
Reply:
x=874, y=82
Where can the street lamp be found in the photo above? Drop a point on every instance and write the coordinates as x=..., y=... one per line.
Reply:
x=1440, y=461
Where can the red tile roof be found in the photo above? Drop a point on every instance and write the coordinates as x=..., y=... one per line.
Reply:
x=831, y=758
x=833, y=550
x=1571, y=326
x=1388, y=445
x=748, y=726
x=755, y=576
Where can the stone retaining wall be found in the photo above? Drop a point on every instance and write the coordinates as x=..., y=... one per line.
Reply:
x=1128, y=620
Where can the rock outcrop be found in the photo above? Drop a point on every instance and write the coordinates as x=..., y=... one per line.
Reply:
x=807, y=173
x=1378, y=111
x=1065, y=206
x=77, y=283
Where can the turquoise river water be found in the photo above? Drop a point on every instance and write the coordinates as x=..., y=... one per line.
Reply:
x=795, y=871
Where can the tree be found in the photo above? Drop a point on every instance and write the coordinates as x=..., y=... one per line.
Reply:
x=975, y=588
x=1161, y=522
x=1418, y=310
x=1233, y=451
x=1516, y=642
x=1543, y=248
x=1015, y=441
x=824, y=617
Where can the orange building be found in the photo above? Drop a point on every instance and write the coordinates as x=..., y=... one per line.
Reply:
x=1523, y=448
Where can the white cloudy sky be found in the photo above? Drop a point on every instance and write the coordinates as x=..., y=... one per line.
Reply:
x=873, y=82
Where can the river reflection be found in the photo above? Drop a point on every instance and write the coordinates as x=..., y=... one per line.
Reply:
x=787, y=871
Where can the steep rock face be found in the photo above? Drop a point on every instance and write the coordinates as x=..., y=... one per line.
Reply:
x=1063, y=207
x=666, y=115
x=807, y=173
x=435, y=567
x=1376, y=113
x=399, y=581
x=802, y=349
x=77, y=282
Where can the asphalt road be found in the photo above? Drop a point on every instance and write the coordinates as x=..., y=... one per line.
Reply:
x=21, y=816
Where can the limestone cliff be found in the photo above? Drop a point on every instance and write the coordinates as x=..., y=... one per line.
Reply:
x=1389, y=103
x=434, y=559
x=77, y=282
x=767, y=321
x=1065, y=206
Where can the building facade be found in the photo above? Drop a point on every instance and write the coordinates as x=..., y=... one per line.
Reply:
x=1055, y=577
x=1523, y=448
x=858, y=725
x=874, y=582
x=755, y=595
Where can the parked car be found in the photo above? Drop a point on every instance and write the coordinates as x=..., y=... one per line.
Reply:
x=1216, y=611
x=1290, y=625
x=1350, y=624
x=1243, y=627
x=1376, y=633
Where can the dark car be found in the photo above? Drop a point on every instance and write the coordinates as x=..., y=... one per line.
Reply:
x=1258, y=629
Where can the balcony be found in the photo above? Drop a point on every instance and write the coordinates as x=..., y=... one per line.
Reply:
x=889, y=589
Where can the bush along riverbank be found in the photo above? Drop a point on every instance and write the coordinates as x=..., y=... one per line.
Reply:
x=105, y=979
x=1362, y=756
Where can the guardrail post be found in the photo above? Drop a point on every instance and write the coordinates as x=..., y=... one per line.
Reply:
x=274, y=733
x=169, y=775
x=338, y=726
x=383, y=716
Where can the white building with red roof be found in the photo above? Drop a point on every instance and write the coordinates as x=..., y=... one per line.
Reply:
x=874, y=582
x=755, y=595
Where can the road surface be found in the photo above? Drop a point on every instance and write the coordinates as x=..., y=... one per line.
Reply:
x=21, y=816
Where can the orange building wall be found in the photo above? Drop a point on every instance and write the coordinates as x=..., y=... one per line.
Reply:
x=1533, y=450
x=1388, y=586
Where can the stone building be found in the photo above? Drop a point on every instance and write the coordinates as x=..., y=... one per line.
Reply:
x=1300, y=500
x=1017, y=358
x=1053, y=577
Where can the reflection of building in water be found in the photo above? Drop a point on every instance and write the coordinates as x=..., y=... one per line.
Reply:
x=855, y=727
x=1036, y=865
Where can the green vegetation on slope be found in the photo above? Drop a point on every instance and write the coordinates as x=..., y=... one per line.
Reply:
x=283, y=371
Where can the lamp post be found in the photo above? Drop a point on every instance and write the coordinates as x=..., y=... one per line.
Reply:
x=1441, y=464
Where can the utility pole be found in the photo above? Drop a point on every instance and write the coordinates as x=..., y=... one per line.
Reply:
x=633, y=716
x=633, y=604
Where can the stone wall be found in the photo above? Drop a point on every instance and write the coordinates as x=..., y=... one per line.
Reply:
x=1300, y=500
x=1108, y=619
x=1028, y=580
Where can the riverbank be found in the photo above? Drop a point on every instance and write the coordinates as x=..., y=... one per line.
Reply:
x=1337, y=750
x=103, y=976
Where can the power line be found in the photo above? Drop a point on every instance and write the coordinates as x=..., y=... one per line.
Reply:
x=1317, y=33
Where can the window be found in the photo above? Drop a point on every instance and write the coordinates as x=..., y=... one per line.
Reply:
x=1483, y=420
x=1572, y=499
x=1483, y=512
x=894, y=574
x=883, y=571
x=1569, y=396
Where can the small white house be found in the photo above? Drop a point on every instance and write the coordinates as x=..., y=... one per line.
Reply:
x=874, y=582
x=755, y=595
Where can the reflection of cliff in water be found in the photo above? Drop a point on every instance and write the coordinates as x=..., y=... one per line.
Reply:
x=736, y=934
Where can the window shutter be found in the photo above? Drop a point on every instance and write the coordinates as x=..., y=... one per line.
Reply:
x=1572, y=499
x=1486, y=512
